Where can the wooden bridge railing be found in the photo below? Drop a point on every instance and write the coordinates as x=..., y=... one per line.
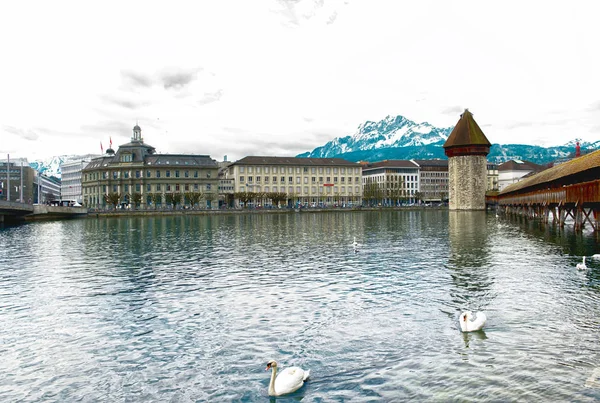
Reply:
x=580, y=193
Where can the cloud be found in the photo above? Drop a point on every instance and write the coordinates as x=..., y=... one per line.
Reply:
x=136, y=79
x=295, y=12
x=22, y=133
x=177, y=78
x=210, y=97
x=108, y=127
x=453, y=110
x=123, y=101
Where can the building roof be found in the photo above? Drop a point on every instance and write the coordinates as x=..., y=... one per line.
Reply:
x=466, y=133
x=519, y=165
x=432, y=163
x=586, y=164
x=391, y=164
x=257, y=160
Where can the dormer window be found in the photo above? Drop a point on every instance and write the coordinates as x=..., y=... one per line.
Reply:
x=126, y=157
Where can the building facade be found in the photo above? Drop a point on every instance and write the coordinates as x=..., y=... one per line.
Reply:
x=467, y=148
x=140, y=178
x=16, y=176
x=390, y=182
x=304, y=181
x=513, y=171
x=492, y=177
x=433, y=180
x=71, y=187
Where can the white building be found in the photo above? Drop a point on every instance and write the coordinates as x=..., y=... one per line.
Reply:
x=70, y=188
x=513, y=171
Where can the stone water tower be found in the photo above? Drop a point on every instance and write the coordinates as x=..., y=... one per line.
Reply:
x=466, y=149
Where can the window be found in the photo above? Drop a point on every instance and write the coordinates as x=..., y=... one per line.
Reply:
x=257, y=170
x=187, y=187
x=158, y=187
x=148, y=188
x=283, y=179
x=168, y=188
x=186, y=174
x=266, y=179
x=137, y=174
x=258, y=179
x=320, y=170
x=274, y=179
x=195, y=174
x=168, y=175
x=177, y=174
x=335, y=170
x=241, y=170
x=249, y=170
x=208, y=186
x=208, y=174
x=266, y=170
x=137, y=187
x=147, y=174
x=115, y=175
x=343, y=170
x=305, y=170
x=305, y=180
x=158, y=174
x=250, y=179
x=343, y=179
x=313, y=179
x=328, y=170
x=195, y=187
x=114, y=188
x=328, y=179
x=335, y=179
x=177, y=187
x=241, y=179
x=291, y=179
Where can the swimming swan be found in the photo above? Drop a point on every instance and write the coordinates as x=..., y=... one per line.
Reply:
x=289, y=380
x=355, y=244
x=467, y=324
x=581, y=266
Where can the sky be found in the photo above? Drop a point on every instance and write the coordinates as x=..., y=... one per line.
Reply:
x=275, y=77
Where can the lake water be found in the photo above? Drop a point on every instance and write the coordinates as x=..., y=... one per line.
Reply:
x=191, y=308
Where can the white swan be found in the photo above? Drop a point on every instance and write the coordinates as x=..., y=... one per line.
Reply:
x=355, y=244
x=289, y=380
x=467, y=324
x=581, y=266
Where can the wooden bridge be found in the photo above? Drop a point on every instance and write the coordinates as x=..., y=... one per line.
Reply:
x=569, y=192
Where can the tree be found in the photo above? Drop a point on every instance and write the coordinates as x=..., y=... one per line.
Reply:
x=210, y=197
x=243, y=197
x=173, y=199
x=136, y=199
x=418, y=196
x=113, y=199
x=194, y=198
x=157, y=199
x=276, y=197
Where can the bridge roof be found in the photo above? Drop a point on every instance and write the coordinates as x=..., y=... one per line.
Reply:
x=575, y=166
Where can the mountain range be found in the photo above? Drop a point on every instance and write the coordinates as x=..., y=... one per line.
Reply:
x=396, y=137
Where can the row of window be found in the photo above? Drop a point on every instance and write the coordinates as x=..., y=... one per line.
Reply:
x=298, y=170
x=290, y=179
x=138, y=174
x=149, y=188
x=305, y=189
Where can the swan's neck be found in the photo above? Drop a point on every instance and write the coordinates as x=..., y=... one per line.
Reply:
x=272, y=383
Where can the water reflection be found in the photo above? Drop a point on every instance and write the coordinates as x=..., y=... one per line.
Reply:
x=470, y=260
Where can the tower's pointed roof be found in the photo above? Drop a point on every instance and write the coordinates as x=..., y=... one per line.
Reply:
x=467, y=137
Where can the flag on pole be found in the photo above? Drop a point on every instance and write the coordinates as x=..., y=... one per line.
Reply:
x=101, y=148
x=110, y=141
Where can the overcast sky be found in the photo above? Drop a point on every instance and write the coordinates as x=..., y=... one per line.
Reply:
x=275, y=77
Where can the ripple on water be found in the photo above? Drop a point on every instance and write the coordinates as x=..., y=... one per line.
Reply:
x=192, y=308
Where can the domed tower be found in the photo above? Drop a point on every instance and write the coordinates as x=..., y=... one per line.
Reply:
x=137, y=135
x=467, y=148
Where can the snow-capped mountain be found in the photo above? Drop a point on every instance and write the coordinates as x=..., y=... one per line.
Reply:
x=51, y=166
x=400, y=138
x=391, y=132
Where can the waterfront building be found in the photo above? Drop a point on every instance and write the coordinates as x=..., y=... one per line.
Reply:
x=492, y=177
x=140, y=177
x=466, y=149
x=16, y=173
x=433, y=180
x=70, y=186
x=49, y=187
x=390, y=182
x=513, y=171
x=304, y=181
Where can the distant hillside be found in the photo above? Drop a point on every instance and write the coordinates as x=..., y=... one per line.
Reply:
x=401, y=138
